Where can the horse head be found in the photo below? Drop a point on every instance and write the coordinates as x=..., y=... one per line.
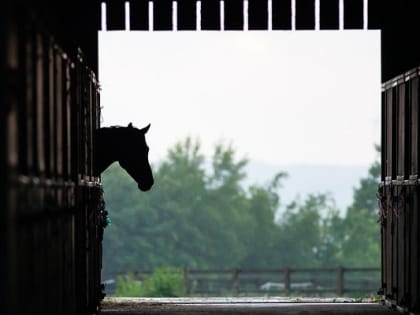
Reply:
x=134, y=156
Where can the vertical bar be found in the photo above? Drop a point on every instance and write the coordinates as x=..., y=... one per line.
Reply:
x=407, y=130
x=127, y=15
x=401, y=115
x=389, y=133
x=282, y=14
x=415, y=253
x=383, y=243
x=414, y=123
x=68, y=118
x=305, y=14
x=329, y=15
x=233, y=15
x=388, y=246
x=198, y=15
x=402, y=254
x=222, y=15
x=340, y=281
x=245, y=16
x=383, y=134
x=29, y=102
x=365, y=15
x=317, y=16
x=394, y=245
x=287, y=280
x=40, y=103
x=211, y=15
x=51, y=110
x=235, y=282
x=270, y=14
x=293, y=17
x=407, y=236
x=115, y=19
x=103, y=16
x=174, y=16
x=341, y=14
x=186, y=280
x=353, y=14
x=58, y=123
x=187, y=15
x=139, y=15
x=151, y=17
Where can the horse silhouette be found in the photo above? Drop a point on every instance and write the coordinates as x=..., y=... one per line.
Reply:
x=127, y=145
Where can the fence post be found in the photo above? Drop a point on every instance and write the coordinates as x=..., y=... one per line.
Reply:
x=185, y=277
x=340, y=281
x=287, y=280
x=235, y=282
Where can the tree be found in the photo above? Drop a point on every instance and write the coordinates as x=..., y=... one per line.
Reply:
x=362, y=242
x=191, y=217
x=305, y=236
x=199, y=215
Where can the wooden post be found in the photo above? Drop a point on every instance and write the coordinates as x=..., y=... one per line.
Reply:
x=185, y=274
x=287, y=272
x=340, y=281
x=235, y=282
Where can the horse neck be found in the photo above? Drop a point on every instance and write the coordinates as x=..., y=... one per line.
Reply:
x=108, y=143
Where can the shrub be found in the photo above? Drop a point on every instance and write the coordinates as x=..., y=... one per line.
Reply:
x=128, y=286
x=164, y=282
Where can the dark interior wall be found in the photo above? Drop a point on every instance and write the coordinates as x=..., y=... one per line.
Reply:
x=400, y=36
x=38, y=39
x=7, y=65
x=3, y=232
x=74, y=24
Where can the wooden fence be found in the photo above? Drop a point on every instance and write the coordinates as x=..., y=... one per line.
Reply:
x=339, y=281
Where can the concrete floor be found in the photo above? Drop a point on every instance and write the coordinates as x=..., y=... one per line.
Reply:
x=248, y=306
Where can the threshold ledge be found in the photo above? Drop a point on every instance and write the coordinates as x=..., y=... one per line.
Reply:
x=242, y=305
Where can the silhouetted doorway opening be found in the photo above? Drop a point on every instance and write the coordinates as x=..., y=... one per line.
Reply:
x=243, y=66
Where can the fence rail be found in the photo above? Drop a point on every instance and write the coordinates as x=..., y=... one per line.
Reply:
x=338, y=281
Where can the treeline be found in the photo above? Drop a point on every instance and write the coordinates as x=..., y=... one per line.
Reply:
x=199, y=218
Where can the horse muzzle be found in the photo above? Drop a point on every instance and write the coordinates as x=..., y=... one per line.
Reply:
x=145, y=187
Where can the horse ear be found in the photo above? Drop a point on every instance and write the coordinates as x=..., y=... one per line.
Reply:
x=145, y=129
x=130, y=125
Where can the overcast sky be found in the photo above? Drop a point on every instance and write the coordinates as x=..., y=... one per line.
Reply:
x=302, y=97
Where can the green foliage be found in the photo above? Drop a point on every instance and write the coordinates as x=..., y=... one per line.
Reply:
x=199, y=215
x=164, y=282
x=128, y=286
x=361, y=243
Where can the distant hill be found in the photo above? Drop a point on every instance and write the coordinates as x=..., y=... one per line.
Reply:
x=305, y=179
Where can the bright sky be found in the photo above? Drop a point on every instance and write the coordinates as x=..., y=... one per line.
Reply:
x=302, y=97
